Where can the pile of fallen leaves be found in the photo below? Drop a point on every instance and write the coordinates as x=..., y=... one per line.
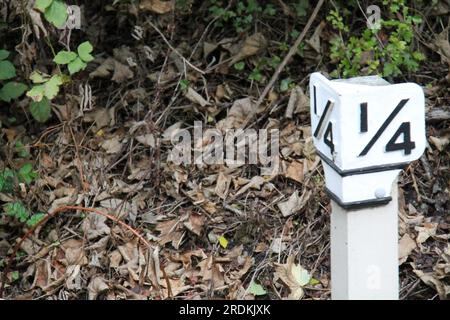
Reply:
x=211, y=231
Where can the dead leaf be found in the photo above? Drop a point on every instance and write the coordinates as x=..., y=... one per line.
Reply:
x=237, y=114
x=298, y=102
x=427, y=230
x=278, y=245
x=295, y=172
x=252, y=45
x=195, y=223
x=314, y=41
x=294, y=204
x=222, y=185
x=147, y=140
x=112, y=146
x=96, y=286
x=430, y=280
x=195, y=97
x=94, y=226
x=157, y=6
x=294, y=276
x=121, y=73
x=405, y=247
x=74, y=252
x=443, y=46
x=440, y=142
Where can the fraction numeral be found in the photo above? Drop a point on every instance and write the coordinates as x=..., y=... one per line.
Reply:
x=407, y=145
x=383, y=127
x=328, y=137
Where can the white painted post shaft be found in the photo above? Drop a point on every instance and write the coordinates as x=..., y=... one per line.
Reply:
x=364, y=252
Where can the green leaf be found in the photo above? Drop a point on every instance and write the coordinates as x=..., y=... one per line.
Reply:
x=84, y=51
x=15, y=275
x=21, y=150
x=76, y=65
x=41, y=111
x=56, y=13
x=184, y=84
x=6, y=180
x=256, y=289
x=4, y=54
x=41, y=5
x=35, y=219
x=37, y=92
x=223, y=242
x=64, y=57
x=26, y=173
x=7, y=70
x=239, y=66
x=12, y=90
x=17, y=210
x=285, y=83
x=51, y=87
x=39, y=77
x=313, y=281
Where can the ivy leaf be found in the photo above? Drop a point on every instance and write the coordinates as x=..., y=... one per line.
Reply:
x=37, y=92
x=4, y=54
x=7, y=70
x=12, y=90
x=56, y=13
x=35, y=219
x=64, y=57
x=257, y=289
x=41, y=5
x=41, y=110
x=51, y=87
x=84, y=51
x=76, y=65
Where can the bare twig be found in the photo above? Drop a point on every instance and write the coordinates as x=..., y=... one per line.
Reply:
x=285, y=61
x=173, y=49
x=51, y=215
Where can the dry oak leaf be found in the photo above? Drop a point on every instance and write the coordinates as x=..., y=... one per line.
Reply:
x=294, y=276
x=157, y=6
x=96, y=286
x=251, y=46
x=405, y=247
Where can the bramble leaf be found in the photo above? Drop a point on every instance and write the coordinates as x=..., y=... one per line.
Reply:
x=41, y=110
x=41, y=5
x=84, y=51
x=12, y=90
x=56, y=13
x=76, y=65
x=65, y=57
x=7, y=70
x=4, y=54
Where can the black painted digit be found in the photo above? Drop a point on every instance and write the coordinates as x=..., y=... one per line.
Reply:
x=315, y=99
x=363, y=117
x=407, y=145
x=328, y=137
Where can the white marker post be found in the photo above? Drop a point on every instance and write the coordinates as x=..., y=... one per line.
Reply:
x=365, y=131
